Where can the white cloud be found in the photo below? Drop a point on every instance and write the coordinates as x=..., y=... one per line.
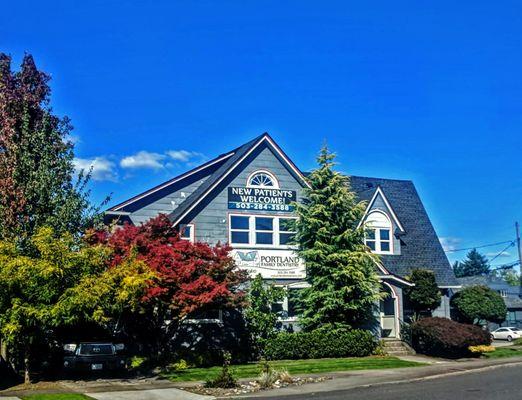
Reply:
x=182, y=155
x=143, y=159
x=103, y=169
x=450, y=243
x=496, y=254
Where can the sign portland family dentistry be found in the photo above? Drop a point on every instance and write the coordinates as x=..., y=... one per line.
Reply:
x=270, y=263
x=244, y=198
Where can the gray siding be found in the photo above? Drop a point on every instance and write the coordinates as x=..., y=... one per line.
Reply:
x=166, y=204
x=211, y=223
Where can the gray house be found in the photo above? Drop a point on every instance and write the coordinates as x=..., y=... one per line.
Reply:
x=510, y=294
x=244, y=197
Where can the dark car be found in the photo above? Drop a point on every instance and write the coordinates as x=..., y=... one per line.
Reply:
x=94, y=356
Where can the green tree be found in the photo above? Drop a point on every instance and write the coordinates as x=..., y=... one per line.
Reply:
x=62, y=284
x=424, y=296
x=474, y=264
x=261, y=320
x=37, y=181
x=341, y=270
x=475, y=304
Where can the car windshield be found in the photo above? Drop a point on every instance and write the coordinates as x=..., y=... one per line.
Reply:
x=96, y=349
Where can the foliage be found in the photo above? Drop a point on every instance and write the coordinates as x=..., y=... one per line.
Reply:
x=518, y=342
x=320, y=343
x=66, y=282
x=344, y=287
x=474, y=264
x=189, y=277
x=425, y=295
x=478, y=303
x=509, y=275
x=480, y=349
x=260, y=320
x=442, y=337
x=36, y=160
x=225, y=379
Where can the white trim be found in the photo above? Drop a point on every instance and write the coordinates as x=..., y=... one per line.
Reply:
x=387, y=203
x=395, y=278
x=266, y=172
x=183, y=176
x=196, y=321
x=252, y=231
x=192, y=233
x=118, y=213
x=377, y=240
x=233, y=167
x=450, y=287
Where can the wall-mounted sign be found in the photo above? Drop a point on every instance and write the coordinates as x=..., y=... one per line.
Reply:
x=270, y=263
x=243, y=198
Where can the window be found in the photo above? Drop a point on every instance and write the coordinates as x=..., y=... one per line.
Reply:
x=378, y=232
x=253, y=230
x=262, y=179
x=186, y=232
x=239, y=229
x=502, y=293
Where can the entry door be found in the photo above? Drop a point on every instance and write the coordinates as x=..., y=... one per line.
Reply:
x=388, y=318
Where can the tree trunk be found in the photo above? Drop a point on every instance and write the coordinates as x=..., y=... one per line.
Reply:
x=27, y=371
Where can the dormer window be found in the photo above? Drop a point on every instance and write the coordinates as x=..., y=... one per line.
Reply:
x=378, y=233
x=263, y=180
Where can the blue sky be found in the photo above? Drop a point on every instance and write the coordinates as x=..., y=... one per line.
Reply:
x=428, y=91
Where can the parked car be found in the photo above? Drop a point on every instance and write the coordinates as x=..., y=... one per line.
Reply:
x=506, y=333
x=94, y=356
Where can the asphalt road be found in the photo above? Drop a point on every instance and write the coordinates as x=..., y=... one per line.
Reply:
x=503, y=383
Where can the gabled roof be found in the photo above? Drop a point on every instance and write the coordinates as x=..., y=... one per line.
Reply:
x=239, y=155
x=379, y=192
x=420, y=245
x=171, y=185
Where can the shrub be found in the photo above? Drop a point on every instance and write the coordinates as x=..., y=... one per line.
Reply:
x=481, y=349
x=478, y=303
x=320, y=343
x=225, y=379
x=518, y=342
x=443, y=337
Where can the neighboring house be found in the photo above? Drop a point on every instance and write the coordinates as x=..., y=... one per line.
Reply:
x=510, y=294
x=244, y=197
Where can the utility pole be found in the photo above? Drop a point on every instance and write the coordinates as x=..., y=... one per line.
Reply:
x=517, y=228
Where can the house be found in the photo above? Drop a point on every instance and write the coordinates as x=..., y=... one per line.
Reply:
x=510, y=294
x=244, y=197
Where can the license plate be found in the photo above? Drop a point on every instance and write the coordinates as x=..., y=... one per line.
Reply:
x=96, y=367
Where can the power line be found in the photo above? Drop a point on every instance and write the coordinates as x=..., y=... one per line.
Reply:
x=482, y=246
x=502, y=251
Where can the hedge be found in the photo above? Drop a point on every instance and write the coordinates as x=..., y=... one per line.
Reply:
x=320, y=343
x=442, y=337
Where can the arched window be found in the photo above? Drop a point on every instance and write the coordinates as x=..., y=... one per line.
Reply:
x=378, y=232
x=262, y=179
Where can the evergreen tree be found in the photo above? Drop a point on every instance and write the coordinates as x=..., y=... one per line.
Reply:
x=476, y=304
x=37, y=185
x=474, y=264
x=344, y=286
x=424, y=296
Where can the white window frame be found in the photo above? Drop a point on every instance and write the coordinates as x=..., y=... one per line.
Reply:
x=266, y=172
x=192, y=234
x=252, y=231
x=377, y=233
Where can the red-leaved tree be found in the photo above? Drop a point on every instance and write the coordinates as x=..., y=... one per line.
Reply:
x=190, y=277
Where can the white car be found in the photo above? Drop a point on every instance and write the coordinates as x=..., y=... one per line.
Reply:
x=506, y=333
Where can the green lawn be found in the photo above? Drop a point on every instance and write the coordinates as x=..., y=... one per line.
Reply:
x=502, y=352
x=61, y=396
x=293, y=367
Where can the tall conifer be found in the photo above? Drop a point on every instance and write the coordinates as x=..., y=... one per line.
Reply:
x=341, y=270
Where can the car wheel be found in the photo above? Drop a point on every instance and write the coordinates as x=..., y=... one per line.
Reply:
x=509, y=339
x=492, y=337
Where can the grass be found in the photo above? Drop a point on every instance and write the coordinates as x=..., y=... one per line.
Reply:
x=293, y=367
x=503, y=352
x=58, y=396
